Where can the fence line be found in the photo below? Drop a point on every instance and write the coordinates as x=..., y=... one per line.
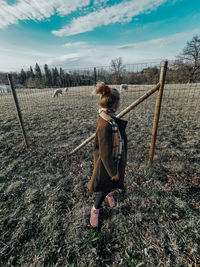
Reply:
x=65, y=121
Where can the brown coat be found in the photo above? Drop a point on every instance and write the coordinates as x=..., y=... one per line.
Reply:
x=104, y=165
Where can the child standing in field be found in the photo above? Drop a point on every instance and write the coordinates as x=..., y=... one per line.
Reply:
x=110, y=151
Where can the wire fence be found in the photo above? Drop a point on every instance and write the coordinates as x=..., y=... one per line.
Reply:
x=64, y=120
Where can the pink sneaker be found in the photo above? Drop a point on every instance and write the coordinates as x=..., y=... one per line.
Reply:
x=94, y=218
x=111, y=200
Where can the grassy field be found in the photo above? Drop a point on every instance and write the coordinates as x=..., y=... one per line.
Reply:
x=45, y=204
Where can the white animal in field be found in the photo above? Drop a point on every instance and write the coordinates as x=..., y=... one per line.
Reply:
x=94, y=91
x=123, y=87
x=57, y=92
x=65, y=89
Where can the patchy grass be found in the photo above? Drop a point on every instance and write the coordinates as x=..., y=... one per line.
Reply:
x=13, y=186
x=45, y=205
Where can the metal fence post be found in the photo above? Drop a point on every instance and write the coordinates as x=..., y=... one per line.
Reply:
x=18, y=110
x=95, y=76
x=157, y=111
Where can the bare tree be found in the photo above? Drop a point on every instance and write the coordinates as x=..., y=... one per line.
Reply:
x=190, y=58
x=116, y=66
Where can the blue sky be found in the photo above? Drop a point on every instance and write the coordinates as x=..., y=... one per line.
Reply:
x=84, y=33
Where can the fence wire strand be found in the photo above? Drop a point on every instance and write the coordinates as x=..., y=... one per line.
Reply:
x=67, y=119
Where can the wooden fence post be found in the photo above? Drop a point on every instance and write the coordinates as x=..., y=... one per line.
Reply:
x=157, y=111
x=18, y=110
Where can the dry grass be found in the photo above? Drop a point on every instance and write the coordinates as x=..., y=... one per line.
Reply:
x=45, y=204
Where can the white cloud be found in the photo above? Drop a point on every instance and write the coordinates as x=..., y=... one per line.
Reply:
x=158, y=43
x=75, y=44
x=14, y=58
x=67, y=58
x=122, y=12
x=98, y=3
x=167, y=47
x=80, y=58
x=36, y=9
x=84, y=55
x=161, y=43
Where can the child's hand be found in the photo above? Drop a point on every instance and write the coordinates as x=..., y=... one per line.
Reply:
x=116, y=177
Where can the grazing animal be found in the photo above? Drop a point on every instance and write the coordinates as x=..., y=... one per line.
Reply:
x=93, y=91
x=65, y=90
x=57, y=92
x=123, y=87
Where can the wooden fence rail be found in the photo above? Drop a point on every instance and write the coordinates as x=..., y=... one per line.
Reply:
x=120, y=115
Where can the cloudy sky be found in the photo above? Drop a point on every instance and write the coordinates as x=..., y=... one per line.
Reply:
x=84, y=33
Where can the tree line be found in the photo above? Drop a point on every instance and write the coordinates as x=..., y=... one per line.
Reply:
x=47, y=77
x=41, y=78
x=185, y=69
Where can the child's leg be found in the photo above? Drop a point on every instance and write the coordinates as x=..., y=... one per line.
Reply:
x=94, y=218
x=100, y=198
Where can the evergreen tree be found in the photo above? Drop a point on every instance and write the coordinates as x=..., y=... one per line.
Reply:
x=47, y=76
x=67, y=80
x=62, y=77
x=55, y=77
x=38, y=73
x=22, y=77
x=32, y=75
